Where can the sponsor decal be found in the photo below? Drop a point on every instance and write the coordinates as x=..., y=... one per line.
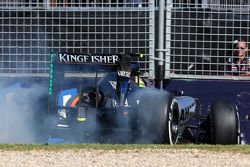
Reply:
x=113, y=84
x=115, y=103
x=85, y=58
x=248, y=61
x=51, y=72
x=123, y=73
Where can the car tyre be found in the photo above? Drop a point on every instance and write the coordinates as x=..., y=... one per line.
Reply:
x=155, y=118
x=224, y=123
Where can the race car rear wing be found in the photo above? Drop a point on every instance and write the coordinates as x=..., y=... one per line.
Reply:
x=62, y=63
x=86, y=62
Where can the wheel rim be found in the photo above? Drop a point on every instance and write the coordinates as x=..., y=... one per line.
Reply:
x=172, y=129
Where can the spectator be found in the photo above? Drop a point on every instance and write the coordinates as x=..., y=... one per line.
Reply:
x=239, y=63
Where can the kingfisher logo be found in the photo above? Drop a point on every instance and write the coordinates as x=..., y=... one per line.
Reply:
x=85, y=58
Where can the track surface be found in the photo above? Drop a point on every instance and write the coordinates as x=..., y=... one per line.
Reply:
x=126, y=158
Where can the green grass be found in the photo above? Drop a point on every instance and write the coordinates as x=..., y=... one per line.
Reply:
x=245, y=149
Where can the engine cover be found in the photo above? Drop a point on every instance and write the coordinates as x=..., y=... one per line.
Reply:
x=185, y=107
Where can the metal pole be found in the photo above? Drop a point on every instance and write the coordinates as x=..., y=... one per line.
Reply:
x=151, y=39
x=160, y=70
x=167, y=52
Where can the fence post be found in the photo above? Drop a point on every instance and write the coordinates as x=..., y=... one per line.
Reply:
x=160, y=51
x=167, y=52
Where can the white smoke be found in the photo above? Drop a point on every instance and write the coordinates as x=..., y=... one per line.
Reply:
x=20, y=111
x=25, y=119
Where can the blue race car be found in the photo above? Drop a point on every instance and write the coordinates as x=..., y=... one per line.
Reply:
x=101, y=99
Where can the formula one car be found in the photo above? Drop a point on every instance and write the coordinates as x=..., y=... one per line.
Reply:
x=99, y=98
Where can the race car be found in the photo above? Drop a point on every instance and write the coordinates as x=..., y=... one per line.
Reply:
x=101, y=99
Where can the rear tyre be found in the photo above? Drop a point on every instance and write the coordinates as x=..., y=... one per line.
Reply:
x=224, y=124
x=155, y=119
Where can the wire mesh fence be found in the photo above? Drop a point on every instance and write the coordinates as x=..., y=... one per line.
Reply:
x=199, y=36
x=31, y=29
x=207, y=39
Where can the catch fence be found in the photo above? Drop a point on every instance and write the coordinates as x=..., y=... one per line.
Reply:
x=198, y=34
x=200, y=37
x=31, y=29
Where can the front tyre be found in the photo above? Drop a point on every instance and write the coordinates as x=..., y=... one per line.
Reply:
x=224, y=124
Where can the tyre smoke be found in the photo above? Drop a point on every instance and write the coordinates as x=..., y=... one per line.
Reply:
x=25, y=118
x=21, y=113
